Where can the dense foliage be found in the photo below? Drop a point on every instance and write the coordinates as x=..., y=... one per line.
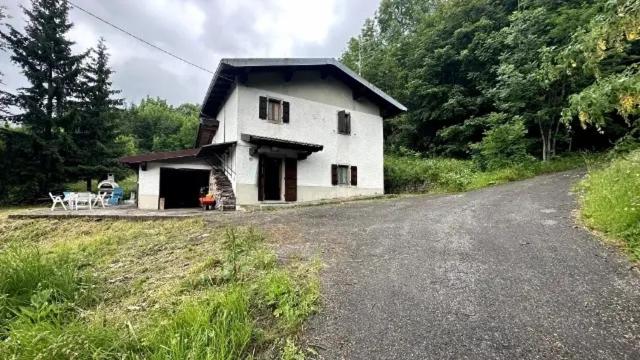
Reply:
x=411, y=172
x=465, y=67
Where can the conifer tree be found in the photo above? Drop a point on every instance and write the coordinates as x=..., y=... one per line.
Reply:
x=43, y=52
x=3, y=96
x=95, y=126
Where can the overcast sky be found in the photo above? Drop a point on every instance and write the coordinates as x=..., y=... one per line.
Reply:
x=202, y=31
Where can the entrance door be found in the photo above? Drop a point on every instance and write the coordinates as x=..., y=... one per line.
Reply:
x=290, y=179
x=271, y=181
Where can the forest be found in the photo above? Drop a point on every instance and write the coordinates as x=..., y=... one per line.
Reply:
x=502, y=80
x=489, y=84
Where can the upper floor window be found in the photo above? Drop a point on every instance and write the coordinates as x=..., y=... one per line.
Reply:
x=344, y=122
x=274, y=110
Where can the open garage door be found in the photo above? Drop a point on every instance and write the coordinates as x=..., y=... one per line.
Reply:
x=180, y=188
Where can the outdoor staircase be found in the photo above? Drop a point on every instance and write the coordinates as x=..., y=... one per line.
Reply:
x=223, y=190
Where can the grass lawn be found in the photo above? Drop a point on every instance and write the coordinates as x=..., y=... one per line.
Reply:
x=610, y=201
x=173, y=289
x=423, y=175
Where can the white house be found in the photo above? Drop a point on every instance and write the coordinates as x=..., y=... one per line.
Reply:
x=275, y=130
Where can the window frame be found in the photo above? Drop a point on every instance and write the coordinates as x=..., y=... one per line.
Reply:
x=347, y=175
x=280, y=103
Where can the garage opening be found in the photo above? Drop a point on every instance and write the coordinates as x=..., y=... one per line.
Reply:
x=181, y=188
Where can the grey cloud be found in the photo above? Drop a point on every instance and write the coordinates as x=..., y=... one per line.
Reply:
x=352, y=16
x=226, y=34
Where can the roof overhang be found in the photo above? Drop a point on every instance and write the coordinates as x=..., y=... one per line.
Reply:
x=230, y=71
x=301, y=148
x=203, y=152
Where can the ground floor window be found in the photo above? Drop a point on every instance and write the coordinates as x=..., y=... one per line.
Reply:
x=343, y=175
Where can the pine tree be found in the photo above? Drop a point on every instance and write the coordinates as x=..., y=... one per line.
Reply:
x=95, y=127
x=44, y=54
x=4, y=99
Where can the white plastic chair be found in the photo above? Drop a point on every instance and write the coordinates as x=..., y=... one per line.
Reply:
x=100, y=199
x=56, y=200
x=68, y=198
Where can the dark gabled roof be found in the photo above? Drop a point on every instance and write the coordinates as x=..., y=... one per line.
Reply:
x=225, y=75
x=282, y=143
x=200, y=152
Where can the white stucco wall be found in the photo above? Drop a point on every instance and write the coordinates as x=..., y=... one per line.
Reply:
x=314, y=105
x=149, y=180
x=228, y=115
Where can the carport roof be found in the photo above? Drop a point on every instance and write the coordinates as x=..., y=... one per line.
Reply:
x=200, y=152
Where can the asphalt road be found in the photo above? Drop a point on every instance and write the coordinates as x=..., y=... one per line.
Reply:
x=498, y=273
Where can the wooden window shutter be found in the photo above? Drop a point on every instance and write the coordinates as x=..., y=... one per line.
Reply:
x=285, y=112
x=341, y=120
x=347, y=124
x=262, y=108
x=334, y=174
x=354, y=175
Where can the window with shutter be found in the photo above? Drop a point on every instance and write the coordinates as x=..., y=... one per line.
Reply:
x=274, y=110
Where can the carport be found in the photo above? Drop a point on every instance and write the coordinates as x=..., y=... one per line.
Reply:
x=180, y=188
x=174, y=179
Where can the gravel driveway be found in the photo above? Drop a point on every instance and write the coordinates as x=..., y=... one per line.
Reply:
x=502, y=272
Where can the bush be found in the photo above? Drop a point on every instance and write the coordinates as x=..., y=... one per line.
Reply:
x=610, y=200
x=502, y=146
x=416, y=174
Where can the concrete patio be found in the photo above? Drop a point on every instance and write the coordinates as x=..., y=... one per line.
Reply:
x=125, y=212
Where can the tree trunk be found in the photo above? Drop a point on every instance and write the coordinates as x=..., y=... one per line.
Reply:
x=544, y=141
x=88, y=179
x=555, y=137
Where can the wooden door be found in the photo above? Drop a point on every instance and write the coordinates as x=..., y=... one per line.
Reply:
x=272, y=178
x=261, y=178
x=290, y=179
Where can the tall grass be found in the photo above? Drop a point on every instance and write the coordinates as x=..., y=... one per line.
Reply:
x=414, y=173
x=610, y=200
x=39, y=286
x=204, y=294
x=217, y=327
